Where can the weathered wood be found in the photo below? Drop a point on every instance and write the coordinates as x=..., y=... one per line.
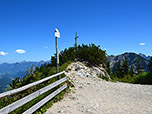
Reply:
x=46, y=99
x=29, y=85
x=30, y=97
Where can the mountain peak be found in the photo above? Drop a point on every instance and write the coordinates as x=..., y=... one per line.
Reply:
x=132, y=59
x=144, y=56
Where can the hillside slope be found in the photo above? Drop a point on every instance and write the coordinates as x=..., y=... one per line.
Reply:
x=91, y=95
x=9, y=71
x=14, y=68
x=132, y=60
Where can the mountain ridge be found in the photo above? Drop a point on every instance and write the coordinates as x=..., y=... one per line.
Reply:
x=9, y=71
x=132, y=60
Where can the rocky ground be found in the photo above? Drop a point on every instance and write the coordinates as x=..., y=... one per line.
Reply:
x=92, y=95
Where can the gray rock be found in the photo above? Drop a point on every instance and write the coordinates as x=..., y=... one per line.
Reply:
x=82, y=70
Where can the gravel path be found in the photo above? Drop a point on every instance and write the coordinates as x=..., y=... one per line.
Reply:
x=94, y=96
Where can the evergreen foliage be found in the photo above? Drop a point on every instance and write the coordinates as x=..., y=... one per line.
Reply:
x=142, y=78
x=123, y=74
x=90, y=53
x=108, y=68
x=125, y=67
x=150, y=65
x=131, y=71
x=138, y=67
x=119, y=70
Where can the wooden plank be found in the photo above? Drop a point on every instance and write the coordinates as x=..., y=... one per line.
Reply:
x=45, y=100
x=29, y=85
x=30, y=97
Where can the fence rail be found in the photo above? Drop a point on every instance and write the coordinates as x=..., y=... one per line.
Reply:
x=29, y=85
x=32, y=96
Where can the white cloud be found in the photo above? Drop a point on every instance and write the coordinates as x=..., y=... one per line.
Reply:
x=3, y=53
x=105, y=49
x=142, y=44
x=46, y=47
x=20, y=51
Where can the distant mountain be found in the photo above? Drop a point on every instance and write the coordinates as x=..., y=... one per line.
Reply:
x=144, y=56
x=17, y=67
x=132, y=60
x=10, y=71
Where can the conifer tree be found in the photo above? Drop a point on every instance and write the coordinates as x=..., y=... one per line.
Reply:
x=141, y=69
x=150, y=65
x=28, y=71
x=119, y=70
x=125, y=67
x=138, y=68
x=131, y=71
x=108, y=68
x=114, y=72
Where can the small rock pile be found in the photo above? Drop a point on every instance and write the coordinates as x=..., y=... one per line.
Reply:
x=82, y=70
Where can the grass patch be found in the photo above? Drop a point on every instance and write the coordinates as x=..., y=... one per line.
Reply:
x=104, y=77
x=143, y=78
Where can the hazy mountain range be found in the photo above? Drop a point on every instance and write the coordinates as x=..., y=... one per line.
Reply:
x=9, y=71
x=132, y=60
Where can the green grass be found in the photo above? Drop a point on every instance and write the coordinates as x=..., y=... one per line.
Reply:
x=104, y=77
x=64, y=66
x=143, y=78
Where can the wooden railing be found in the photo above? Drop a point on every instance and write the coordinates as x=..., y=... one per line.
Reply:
x=32, y=96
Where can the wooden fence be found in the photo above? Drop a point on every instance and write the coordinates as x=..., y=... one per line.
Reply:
x=32, y=96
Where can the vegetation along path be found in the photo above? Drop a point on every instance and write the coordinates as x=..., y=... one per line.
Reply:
x=91, y=95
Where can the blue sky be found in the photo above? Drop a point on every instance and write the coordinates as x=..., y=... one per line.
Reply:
x=27, y=26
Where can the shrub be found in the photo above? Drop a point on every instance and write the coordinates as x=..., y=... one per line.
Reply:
x=104, y=77
x=144, y=78
x=90, y=53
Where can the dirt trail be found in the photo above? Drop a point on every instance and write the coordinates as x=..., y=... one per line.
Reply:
x=94, y=96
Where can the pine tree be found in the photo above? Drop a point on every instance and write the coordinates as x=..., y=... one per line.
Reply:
x=131, y=71
x=28, y=71
x=114, y=72
x=119, y=70
x=108, y=68
x=150, y=65
x=138, y=68
x=15, y=83
x=32, y=69
x=141, y=69
x=125, y=67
